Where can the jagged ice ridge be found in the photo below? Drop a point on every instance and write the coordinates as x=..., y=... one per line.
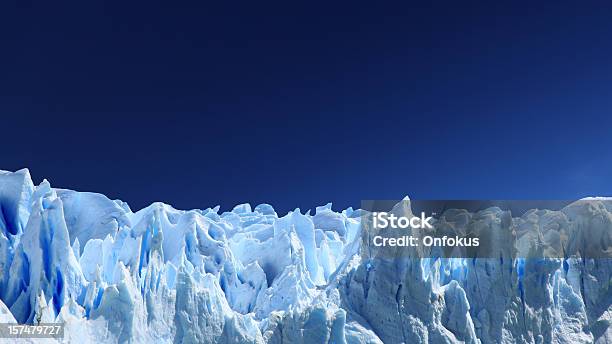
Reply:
x=251, y=276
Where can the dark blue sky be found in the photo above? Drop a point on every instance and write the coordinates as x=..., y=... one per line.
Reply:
x=295, y=104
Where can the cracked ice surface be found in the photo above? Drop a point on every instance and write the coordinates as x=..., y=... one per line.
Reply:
x=251, y=276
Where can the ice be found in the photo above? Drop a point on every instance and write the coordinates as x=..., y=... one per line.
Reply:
x=5, y=314
x=15, y=193
x=251, y=276
x=91, y=216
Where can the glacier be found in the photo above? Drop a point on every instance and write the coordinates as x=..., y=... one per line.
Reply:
x=249, y=275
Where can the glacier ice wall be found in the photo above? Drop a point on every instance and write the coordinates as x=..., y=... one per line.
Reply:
x=251, y=276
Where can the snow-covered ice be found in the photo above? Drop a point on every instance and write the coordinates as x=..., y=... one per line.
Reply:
x=250, y=275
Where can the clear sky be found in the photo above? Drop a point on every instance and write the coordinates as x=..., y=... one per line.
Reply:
x=298, y=104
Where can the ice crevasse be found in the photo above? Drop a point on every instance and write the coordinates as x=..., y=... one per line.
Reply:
x=162, y=275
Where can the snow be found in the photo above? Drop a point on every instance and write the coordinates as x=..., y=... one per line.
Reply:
x=251, y=276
